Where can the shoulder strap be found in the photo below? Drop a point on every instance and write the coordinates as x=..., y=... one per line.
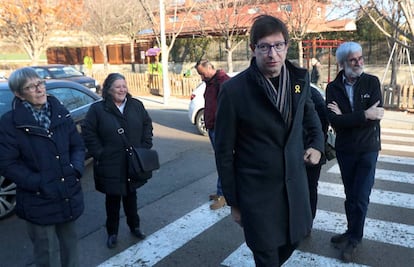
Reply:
x=121, y=132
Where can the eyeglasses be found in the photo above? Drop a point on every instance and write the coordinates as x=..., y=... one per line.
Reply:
x=34, y=86
x=265, y=48
x=354, y=61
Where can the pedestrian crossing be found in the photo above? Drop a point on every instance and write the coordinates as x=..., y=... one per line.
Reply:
x=398, y=233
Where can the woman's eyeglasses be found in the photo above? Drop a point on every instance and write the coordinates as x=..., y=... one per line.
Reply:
x=34, y=86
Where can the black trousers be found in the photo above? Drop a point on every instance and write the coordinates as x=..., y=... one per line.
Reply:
x=274, y=258
x=113, y=206
x=313, y=173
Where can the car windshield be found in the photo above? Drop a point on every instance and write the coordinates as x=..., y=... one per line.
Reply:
x=64, y=72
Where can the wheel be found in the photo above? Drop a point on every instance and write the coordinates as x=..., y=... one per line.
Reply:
x=200, y=123
x=7, y=197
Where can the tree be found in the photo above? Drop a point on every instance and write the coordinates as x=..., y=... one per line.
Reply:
x=226, y=19
x=178, y=14
x=299, y=15
x=104, y=22
x=133, y=22
x=394, y=18
x=31, y=23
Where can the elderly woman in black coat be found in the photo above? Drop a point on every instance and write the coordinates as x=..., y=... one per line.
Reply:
x=100, y=130
x=43, y=154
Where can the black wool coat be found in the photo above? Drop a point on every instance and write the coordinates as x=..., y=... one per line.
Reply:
x=261, y=161
x=107, y=147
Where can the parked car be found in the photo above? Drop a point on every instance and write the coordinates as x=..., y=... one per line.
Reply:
x=64, y=72
x=76, y=98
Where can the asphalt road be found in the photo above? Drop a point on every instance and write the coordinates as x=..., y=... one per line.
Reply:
x=182, y=231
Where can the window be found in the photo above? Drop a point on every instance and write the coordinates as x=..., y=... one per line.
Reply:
x=286, y=7
x=71, y=98
x=173, y=19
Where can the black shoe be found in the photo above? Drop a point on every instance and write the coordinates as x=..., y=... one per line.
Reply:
x=349, y=251
x=137, y=232
x=336, y=239
x=111, y=242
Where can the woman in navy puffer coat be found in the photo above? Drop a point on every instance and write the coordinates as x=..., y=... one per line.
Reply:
x=43, y=154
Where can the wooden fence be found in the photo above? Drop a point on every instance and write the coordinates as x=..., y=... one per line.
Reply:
x=144, y=83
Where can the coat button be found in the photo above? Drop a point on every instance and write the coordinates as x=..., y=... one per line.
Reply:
x=62, y=179
x=57, y=156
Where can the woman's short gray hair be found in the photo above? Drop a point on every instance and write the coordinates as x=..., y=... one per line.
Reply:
x=344, y=50
x=19, y=78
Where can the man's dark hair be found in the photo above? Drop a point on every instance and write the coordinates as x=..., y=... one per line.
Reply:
x=265, y=25
x=204, y=63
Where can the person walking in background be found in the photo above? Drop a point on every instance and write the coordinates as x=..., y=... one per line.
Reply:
x=354, y=104
x=315, y=71
x=105, y=144
x=43, y=154
x=213, y=79
x=260, y=153
x=314, y=171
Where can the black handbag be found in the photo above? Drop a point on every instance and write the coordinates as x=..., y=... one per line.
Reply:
x=141, y=161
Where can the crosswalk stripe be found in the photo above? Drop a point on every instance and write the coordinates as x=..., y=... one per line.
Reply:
x=377, y=230
x=396, y=159
x=377, y=196
x=397, y=138
x=397, y=131
x=401, y=148
x=385, y=175
x=168, y=239
x=243, y=257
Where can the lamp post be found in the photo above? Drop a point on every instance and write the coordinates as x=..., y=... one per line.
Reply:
x=164, y=55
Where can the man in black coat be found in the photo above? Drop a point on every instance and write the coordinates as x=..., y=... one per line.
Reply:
x=354, y=111
x=260, y=153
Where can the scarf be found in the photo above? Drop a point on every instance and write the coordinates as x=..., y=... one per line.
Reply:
x=280, y=97
x=42, y=116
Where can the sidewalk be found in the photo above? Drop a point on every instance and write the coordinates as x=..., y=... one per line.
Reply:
x=392, y=119
x=157, y=102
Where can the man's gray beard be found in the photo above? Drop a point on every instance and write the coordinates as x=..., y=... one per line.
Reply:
x=352, y=74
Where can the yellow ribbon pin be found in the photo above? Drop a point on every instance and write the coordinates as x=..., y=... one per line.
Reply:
x=297, y=89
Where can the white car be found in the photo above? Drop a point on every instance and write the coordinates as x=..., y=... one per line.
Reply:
x=196, y=107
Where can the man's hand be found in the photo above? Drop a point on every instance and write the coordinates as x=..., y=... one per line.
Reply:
x=312, y=156
x=334, y=108
x=374, y=112
x=235, y=212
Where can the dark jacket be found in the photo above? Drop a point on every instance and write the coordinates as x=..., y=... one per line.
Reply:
x=353, y=132
x=260, y=161
x=106, y=146
x=322, y=111
x=46, y=165
x=210, y=97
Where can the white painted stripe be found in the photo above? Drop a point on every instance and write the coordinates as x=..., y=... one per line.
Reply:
x=397, y=147
x=397, y=138
x=168, y=239
x=376, y=230
x=397, y=131
x=396, y=159
x=377, y=196
x=385, y=175
x=243, y=257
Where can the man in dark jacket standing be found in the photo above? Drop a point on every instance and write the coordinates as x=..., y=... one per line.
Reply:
x=43, y=154
x=260, y=153
x=354, y=111
x=213, y=80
